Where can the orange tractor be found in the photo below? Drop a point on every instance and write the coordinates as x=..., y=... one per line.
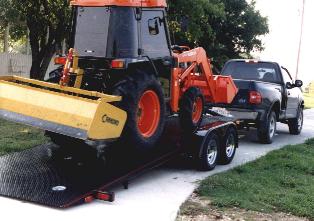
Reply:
x=120, y=81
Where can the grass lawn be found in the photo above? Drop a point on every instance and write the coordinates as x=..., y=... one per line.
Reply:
x=16, y=137
x=309, y=101
x=281, y=181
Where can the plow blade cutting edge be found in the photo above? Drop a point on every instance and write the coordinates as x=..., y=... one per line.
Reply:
x=69, y=111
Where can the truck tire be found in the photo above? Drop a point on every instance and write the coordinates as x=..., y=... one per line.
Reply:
x=267, y=129
x=296, y=124
x=209, y=153
x=228, y=147
x=143, y=100
x=191, y=109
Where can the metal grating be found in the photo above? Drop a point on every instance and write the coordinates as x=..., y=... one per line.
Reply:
x=34, y=176
x=62, y=177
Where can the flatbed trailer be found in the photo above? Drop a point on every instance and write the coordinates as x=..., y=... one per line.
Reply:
x=45, y=176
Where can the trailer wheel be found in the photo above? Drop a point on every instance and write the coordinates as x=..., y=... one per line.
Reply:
x=143, y=100
x=209, y=153
x=191, y=109
x=229, y=146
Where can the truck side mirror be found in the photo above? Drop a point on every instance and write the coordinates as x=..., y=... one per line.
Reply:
x=289, y=85
x=298, y=83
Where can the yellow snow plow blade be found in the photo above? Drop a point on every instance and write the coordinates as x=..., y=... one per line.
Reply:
x=82, y=114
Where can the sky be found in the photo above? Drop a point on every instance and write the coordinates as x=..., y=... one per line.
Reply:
x=282, y=43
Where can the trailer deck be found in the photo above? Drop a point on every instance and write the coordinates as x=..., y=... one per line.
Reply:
x=36, y=175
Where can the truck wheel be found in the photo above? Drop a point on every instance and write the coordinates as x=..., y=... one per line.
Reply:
x=143, y=100
x=228, y=147
x=191, y=109
x=266, y=130
x=209, y=155
x=296, y=124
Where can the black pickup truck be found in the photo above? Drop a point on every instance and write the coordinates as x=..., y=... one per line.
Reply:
x=267, y=94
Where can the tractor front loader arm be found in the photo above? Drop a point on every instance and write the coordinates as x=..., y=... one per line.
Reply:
x=194, y=70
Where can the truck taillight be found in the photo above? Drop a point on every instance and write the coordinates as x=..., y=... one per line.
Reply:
x=60, y=60
x=255, y=97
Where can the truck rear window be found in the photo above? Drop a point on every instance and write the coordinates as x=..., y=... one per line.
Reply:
x=92, y=24
x=261, y=71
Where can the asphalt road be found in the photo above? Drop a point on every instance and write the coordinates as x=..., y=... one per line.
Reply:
x=158, y=194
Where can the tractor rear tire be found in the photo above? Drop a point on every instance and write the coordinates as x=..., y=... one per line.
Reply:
x=143, y=100
x=191, y=110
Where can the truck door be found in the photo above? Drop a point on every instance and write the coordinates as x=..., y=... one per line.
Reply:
x=291, y=95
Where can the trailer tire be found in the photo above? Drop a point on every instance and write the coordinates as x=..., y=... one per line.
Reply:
x=143, y=100
x=229, y=145
x=191, y=110
x=209, y=153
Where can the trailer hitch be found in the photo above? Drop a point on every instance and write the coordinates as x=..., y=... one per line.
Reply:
x=71, y=68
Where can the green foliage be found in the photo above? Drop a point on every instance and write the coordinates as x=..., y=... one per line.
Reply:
x=189, y=19
x=281, y=181
x=8, y=14
x=225, y=28
x=44, y=14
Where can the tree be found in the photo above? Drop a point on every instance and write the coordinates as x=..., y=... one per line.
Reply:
x=225, y=28
x=189, y=20
x=8, y=17
x=47, y=22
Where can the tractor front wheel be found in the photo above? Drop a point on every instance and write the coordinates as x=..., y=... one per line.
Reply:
x=191, y=109
x=143, y=100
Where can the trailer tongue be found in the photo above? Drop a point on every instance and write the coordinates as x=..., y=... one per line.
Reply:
x=73, y=112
